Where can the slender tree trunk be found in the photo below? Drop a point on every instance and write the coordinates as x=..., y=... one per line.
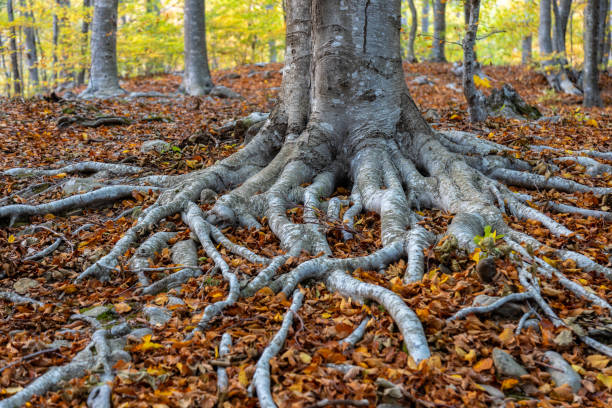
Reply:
x=544, y=30
x=272, y=49
x=562, y=12
x=6, y=70
x=603, y=24
x=425, y=17
x=85, y=40
x=13, y=50
x=414, y=21
x=197, y=79
x=475, y=98
x=608, y=39
x=439, y=35
x=591, y=73
x=103, y=79
x=526, y=50
x=30, y=40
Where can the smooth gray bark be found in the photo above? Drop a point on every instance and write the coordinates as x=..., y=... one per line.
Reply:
x=562, y=12
x=603, y=27
x=103, y=78
x=526, y=50
x=30, y=42
x=413, y=29
x=591, y=73
x=475, y=99
x=196, y=80
x=425, y=17
x=544, y=28
x=85, y=36
x=13, y=49
x=439, y=35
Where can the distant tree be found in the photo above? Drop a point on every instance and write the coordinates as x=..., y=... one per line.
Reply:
x=30, y=42
x=425, y=17
x=196, y=79
x=13, y=49
x=85, y=36
x=476, y=100
x=591, y=73
x=439, y=34
x=414, y=21
x=103, y=78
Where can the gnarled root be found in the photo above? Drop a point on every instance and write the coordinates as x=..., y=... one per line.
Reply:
x=394, y=176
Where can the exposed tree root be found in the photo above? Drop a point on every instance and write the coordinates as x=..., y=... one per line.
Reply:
x=394, y=176
x=15, y=298
x=261, y=378
x=357, y=334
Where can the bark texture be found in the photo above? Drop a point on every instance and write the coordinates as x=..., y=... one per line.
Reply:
x=103, y=77
x=196, y=80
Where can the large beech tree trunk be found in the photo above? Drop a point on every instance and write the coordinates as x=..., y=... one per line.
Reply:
x=439, y=35
x=196, y=80
x=103, y=78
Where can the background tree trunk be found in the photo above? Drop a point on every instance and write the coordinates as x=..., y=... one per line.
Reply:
x=439, y=35
x=544, y=28
x=526, y=50
x=591, y=73
x=196, y=80
x=85, y=39
x=603, y=27
x=13, y=48
x=414, y=21
x=425, y=17
x=475, y=98
x=562, y=13
x=103, y=78
x=30, y=37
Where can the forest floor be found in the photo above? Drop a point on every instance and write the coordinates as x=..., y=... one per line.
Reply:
x=168, y=371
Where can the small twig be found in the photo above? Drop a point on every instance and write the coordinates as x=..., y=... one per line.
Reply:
x=32, y=355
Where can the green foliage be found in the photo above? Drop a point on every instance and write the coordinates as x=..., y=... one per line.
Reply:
x=488, y=245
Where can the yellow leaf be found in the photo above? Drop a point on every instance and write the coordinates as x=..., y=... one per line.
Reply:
x=475, y=256
x=549, y=261
x=122, y=307
x=60, y=175
x=49, y=216
x=605, y=380
x=460, y=352
x=306, y=358
x=278, y=317
x=325, y=315
x=481, y=82
x=592, y=122
x=191, y=163
x=598, y=361
x=506, y=336
x=471, y=356
x=147, y=344
x=509, y=383
x=455, y=116
x=85, y=137
x=483, y=364
x=242, y=377
x=11, y=239
x=11, y=390
x=579, y=369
